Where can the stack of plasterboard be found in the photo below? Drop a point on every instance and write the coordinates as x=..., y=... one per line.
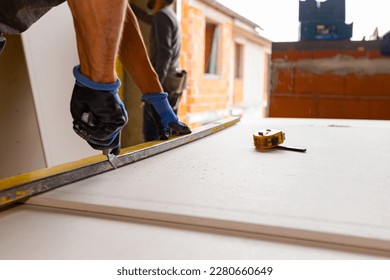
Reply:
x=221, y=198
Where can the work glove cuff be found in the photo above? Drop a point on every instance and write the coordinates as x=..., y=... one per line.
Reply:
x=86, y=82
x=160, y=103
x=160, y=110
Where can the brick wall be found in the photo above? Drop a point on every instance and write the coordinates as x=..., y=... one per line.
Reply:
x=340, y=79
x=205, y=93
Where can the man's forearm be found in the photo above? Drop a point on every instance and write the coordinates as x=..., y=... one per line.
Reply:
x=134, y=56
x=98, y=26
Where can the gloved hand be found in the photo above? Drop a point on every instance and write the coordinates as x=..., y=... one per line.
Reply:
x=98, y=113
x=158, y=107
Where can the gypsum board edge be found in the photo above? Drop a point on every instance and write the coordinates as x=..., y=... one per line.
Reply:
x=21, y=187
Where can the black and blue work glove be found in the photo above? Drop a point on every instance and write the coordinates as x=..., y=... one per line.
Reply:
x=158, y=107
x=98, y=113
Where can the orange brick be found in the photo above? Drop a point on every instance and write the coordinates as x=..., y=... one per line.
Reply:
x=325, y=54
x=213, y=98
x=380, y=109
x=294, y=55
x=278, y=55
x=375, y=55
x=205, y=107
x=356, y=53
x=197, y=108
x=344, y=108
x=368, y=85
x=292, y=107
x=283, y=80
x=307, y=82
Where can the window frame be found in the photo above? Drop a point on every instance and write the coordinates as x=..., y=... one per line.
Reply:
x=213, y=49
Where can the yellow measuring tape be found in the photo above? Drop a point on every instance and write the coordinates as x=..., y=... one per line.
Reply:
x=272, y=138
x=268, y=138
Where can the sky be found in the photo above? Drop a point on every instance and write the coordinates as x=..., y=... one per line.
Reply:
x=279, y=18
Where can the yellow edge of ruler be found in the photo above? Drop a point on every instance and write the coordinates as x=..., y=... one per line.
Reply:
x=28, y=184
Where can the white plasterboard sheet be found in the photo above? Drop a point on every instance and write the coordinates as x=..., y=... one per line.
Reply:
x=336, y=192
x=51, y=53
x=33, y=232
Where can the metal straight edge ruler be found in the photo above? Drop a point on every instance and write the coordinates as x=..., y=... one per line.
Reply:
x=21, y=187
